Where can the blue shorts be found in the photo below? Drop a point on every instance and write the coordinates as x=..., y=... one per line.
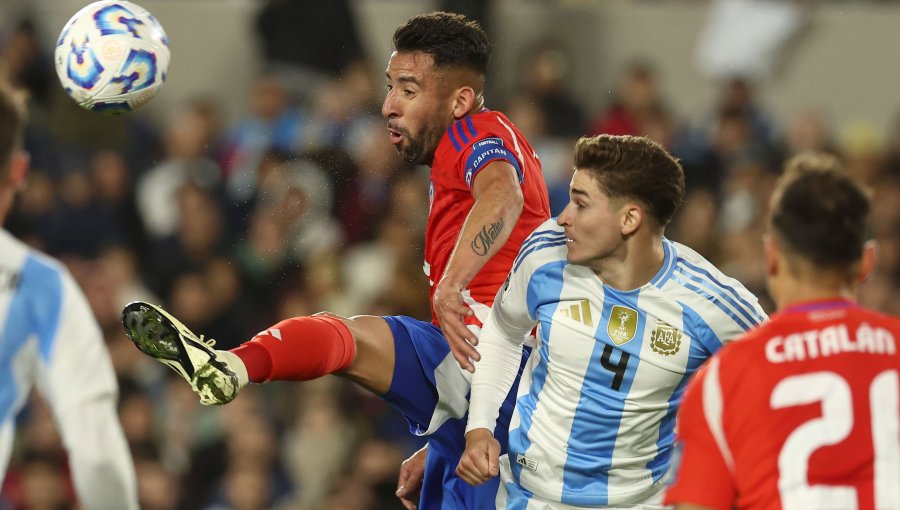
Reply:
x=423, y=363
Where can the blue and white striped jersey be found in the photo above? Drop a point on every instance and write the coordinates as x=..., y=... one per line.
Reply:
x=50, y=339
x=595, y=411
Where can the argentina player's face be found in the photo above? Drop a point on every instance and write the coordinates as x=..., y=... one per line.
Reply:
x=592, y=223
x=417, y=106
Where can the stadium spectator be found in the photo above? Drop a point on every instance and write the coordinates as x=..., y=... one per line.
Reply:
x=548, y=70
x=309, y=43
x=637, y=93
x=274, y=124
x=187, y=162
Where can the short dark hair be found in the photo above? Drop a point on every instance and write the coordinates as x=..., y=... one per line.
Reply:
x=451, y=39
x=12, y=125
x=634, y=167
x=819, y=212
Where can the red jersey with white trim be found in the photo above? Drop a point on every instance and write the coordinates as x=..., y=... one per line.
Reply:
x=467, y=147
x=803, y=412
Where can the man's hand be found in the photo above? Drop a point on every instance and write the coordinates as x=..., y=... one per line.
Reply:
x=451, y=312
x=481, y=460
x=409, y=482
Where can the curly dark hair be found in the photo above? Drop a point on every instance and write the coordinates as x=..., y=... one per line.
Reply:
x=451, y=39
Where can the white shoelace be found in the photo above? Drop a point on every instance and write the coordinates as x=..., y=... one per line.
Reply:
x=209, y=342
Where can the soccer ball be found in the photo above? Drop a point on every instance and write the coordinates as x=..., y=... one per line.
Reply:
x=112, y=56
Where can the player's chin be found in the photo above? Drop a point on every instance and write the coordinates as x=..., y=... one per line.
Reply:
x=407, y=151
x=579, y=259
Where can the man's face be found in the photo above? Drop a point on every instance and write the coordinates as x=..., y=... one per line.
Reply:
x=418, y=106
x=592, y=222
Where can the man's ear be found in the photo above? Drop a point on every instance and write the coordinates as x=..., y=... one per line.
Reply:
x=868, y=262
x=632, y=218
x=18, y=169
x=464, y=101
x=771, y=254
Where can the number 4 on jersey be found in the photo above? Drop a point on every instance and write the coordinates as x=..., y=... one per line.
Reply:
x=618, y=368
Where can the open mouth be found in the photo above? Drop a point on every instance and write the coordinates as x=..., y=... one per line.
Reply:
x=395, y=135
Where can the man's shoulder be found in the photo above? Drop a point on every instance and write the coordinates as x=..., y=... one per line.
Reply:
x=20, y=258
x=753, y=341
x=15, y=249
x=691, y=262
x=492, y=121
x=10, y=245
x=481, y=130
x=546, y=244
x=707, y=290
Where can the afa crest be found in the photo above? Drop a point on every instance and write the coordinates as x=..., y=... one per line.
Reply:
x=665, y=339
x=622, y=324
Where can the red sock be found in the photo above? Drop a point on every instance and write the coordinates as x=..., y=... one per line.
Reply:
x=298, y=349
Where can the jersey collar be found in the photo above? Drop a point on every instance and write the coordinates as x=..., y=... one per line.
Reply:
x=820, y=305
x=668, y=265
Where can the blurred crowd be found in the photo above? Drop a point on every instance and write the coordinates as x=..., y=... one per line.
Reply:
x=302, y=205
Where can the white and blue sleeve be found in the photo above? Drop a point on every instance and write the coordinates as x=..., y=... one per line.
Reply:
x=77, y=378
x=500, y=346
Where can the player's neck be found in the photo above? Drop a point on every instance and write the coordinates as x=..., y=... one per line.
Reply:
x=792, y=291
x=632, y=266
x=6, y=200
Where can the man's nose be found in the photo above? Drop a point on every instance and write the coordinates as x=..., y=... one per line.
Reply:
x=389, y=106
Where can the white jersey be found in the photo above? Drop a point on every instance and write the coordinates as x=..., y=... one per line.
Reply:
x=49, y=338
x=596, y=406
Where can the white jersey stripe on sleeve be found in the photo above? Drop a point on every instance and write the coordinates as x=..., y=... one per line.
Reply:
x=726, y=292
x=698, y=289
x=535, y=239
x=713, y=408
x=515, y=140
x=512, y=134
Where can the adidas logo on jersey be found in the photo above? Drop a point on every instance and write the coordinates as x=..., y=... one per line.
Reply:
x=578, y=312
x=526, y=463
x=273, y=332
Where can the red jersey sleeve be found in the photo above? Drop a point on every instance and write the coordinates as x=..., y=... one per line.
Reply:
x=468, y=147
x=483, y=139
x=703, y=476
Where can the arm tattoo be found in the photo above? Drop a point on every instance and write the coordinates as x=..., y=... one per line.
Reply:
x=483, y=241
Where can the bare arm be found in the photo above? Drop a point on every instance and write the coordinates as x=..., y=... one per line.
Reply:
x=498, y=205
x=691, y=506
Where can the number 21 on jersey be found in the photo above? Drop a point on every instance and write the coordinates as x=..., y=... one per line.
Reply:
x=834, y=425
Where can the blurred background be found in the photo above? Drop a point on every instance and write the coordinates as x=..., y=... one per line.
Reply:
x=259, y=184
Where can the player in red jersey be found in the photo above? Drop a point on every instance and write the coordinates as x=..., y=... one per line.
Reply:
x=487, y=195
x=481, y=139
x=803, y=412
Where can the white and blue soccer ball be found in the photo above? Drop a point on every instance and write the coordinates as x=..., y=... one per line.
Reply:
x=112, y=56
